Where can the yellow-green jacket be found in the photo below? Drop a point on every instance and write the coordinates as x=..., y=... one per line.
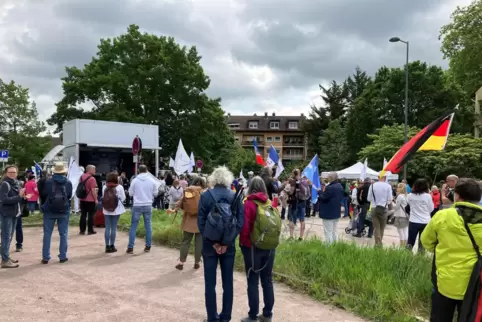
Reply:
x=455, y=256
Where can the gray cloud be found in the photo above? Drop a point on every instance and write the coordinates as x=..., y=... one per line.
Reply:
x=260, y=54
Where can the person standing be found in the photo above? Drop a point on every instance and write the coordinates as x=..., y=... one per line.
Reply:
x=31, y=189
x=88, y=202
x=298, y=194
x=421, y=206
x=454, y=236
x=381, y=197
x=56, y=209
x=216, y=251
x=330, y=207
x=11, y=199
x=401, y=215
x=190, y=206
x=259, y=253
x=447, y=192
x=364, y=204
x=113, y=197
x=143, y=190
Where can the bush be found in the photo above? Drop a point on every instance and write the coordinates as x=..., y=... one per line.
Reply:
x=375, y=283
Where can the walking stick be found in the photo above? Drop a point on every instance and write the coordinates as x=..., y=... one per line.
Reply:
x=175, y=215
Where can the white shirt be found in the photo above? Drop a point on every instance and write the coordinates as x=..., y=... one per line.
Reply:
x=401, y=203
x=353, y=196
x=121, y=195
x=421, y=205
x=383, y=194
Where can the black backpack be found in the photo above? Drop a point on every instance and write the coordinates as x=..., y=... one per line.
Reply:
x=57, y=198
x=81, y=191
x=471, y=310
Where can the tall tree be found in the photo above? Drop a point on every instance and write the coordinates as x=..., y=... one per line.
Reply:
x=462, y=45
x=20, y=128
x=355, y=84
x=334, y=98
x=333, y=147
x=144, y=78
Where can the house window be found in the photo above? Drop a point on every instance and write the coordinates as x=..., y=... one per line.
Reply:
x=278, y=151
x=293, y=125
x=237, y=139
x=274, y=125
x=253, y=125
x=269, y=139
x=234, y=125
x=277, y=139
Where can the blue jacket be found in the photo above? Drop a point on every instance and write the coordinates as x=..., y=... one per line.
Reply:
x=10, y=200
x=206, y=205
x=48, y=190
x=330, y=201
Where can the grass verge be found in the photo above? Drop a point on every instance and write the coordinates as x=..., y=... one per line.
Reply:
x=377, y=284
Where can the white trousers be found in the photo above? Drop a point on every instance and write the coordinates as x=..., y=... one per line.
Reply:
x=76, y=204
x=330, y=230
x=403, y=233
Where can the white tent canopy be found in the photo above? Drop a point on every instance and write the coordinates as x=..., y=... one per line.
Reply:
x=353, y=173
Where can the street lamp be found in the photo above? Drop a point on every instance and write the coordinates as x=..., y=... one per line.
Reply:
x=396, y=39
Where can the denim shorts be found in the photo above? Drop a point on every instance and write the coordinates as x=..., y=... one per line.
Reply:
x=297, y=212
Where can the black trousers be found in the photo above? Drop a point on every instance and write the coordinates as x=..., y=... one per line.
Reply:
x=87, y=213
x=443, y=308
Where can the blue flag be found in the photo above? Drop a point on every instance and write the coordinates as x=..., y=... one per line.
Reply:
x=312, y=173
x=38, y=169
x=273, y=159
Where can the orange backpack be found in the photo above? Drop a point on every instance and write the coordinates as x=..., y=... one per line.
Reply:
x=190, y=201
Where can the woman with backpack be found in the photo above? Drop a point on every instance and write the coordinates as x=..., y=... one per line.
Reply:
x=113, y=197
x=454, y=235
x=258, y=239
x=175, y=194
x=189, y=204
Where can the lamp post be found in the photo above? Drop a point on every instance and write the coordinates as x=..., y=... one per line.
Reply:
x=396, y=39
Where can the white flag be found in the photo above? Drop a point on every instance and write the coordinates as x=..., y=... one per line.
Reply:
x=364, y=170
x=192, y=162
x=171, y=162
x=182, y=163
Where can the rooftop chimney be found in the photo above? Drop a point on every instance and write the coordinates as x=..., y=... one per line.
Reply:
x=229, y=114
x=302, y=115
x=265, y=114
x=274, y=114
x=255, y=114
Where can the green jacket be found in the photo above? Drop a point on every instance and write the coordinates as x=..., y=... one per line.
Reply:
x=455, y=256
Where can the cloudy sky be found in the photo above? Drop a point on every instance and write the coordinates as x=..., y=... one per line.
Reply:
x=261, y=55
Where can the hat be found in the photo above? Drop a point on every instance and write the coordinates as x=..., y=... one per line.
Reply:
x=59, y=168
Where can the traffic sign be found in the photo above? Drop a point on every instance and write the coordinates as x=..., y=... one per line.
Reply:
x=199, y=164
x=136, y=145
x=3, y=155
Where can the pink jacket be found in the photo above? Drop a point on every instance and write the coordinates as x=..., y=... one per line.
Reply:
x=31, y=188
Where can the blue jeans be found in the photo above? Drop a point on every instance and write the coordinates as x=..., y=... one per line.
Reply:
x=210, y=262
x=297, y=212
x=8, y=227
x=264, y=261
x=19, y=233
x=63, y=227
x=31, y=205
x=110, y=229
x=146, y=212
x=344, y=203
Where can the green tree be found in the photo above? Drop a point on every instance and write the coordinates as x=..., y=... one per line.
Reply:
x=461, y=155
x=382, y=102
x=20, y=128
x=143, y=78
x=333, y=148
x=242, y=159
x=355, y=85
x=462, y=45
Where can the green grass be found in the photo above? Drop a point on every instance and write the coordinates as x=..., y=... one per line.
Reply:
x=378, y=284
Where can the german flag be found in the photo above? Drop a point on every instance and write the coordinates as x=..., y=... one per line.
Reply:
x=432, y=138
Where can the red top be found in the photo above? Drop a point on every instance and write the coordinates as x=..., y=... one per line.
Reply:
x=31, y=189
x=249, y=217
x=90, y=185
x=435, y=198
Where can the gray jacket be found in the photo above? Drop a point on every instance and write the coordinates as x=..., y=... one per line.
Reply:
x=10, y=200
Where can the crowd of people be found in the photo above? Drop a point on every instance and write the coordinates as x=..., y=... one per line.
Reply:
x=218, y=209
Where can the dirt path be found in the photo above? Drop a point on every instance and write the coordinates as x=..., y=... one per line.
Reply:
x=94, y=286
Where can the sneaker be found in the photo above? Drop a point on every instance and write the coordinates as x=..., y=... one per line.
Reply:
x=180, y=267
x=44, y=261
x=63, y=260
x=9, y=264
x=82, y=233
x=18, y=249
x=196, y=266
x=92, y=233
x=108, y=249
x=130, y=251
x=262, y=318
x=113, y=249
x=147, y=249
x=13, y=260
x=248, y=319
x=357, y=235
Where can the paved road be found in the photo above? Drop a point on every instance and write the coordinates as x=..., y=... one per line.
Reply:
x=94, y=286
